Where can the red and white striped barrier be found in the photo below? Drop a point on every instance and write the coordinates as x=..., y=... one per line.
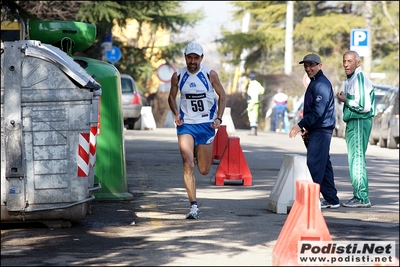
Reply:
x=83, y=155
x=93, y=142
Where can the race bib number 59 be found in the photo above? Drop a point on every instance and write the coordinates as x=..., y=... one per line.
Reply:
x=196, y=102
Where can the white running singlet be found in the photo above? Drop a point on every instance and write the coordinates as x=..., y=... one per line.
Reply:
x=198, y=102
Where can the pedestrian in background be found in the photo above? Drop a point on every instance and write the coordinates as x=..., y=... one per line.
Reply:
x=198, y=117
x=281, y=114
x=317, y=127
x=254, y=91
x=359, y=108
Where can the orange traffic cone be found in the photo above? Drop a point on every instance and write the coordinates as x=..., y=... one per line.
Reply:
x=220, y=142
x=305, y=222
x=233, y=165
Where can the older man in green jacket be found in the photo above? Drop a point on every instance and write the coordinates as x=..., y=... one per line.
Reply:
x=358, y=109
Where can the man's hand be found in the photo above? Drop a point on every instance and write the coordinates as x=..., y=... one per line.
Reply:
x=304, y=135
x=294, y=131
x=216, y=124
x=341, y=96
x=178, y=120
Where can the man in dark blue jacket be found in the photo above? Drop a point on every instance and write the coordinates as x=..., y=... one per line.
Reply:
x=317, y=126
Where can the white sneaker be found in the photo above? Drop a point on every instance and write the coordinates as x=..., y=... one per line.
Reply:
x=326, y=205
x=354, y=203
x=194, y=212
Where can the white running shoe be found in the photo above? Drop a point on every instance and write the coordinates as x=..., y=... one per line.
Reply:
x=194, y=212
x=326, y=205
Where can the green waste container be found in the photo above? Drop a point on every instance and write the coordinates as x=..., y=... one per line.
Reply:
x=110, y=167
x=69, y=36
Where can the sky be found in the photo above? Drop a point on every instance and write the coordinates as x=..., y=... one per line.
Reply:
x=217, y=14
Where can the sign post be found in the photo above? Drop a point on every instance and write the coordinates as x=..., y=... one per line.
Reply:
x=164, y=72
x=359, y=41
x=113, y=55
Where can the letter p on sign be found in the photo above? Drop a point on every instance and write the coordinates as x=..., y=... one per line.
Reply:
x=359, y=41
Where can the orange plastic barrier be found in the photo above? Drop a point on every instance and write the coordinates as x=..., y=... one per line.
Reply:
x=304, y=222
x=220, y=142
x=233, y=165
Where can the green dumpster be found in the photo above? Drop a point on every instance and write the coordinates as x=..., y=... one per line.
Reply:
x=110, y=168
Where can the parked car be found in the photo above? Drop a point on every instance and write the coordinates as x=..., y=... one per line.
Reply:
x=131, y=103
x=340, y=127
x=385, y=126
x=394, y=125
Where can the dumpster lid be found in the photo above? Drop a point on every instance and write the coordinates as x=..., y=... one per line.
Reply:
x=63, y=61
x=54, y=32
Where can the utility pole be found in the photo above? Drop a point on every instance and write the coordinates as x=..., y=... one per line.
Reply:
x=239, y=81
x=368, y=57
x=289, y=38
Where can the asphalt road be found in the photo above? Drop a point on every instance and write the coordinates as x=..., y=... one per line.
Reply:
x=235, y=227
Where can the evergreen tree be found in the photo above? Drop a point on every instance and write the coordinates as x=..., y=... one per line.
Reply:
x=137, y=56
x=321, y=27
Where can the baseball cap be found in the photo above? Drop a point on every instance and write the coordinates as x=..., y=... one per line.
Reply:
x=314, y=58
x=194, y=48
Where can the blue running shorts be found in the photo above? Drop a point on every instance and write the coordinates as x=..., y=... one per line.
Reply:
x=202, y=133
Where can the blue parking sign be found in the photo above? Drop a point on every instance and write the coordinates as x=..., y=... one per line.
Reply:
x=359, y=41
x=114, y=54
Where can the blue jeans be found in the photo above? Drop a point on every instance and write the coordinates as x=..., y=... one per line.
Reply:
x=280, y=116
